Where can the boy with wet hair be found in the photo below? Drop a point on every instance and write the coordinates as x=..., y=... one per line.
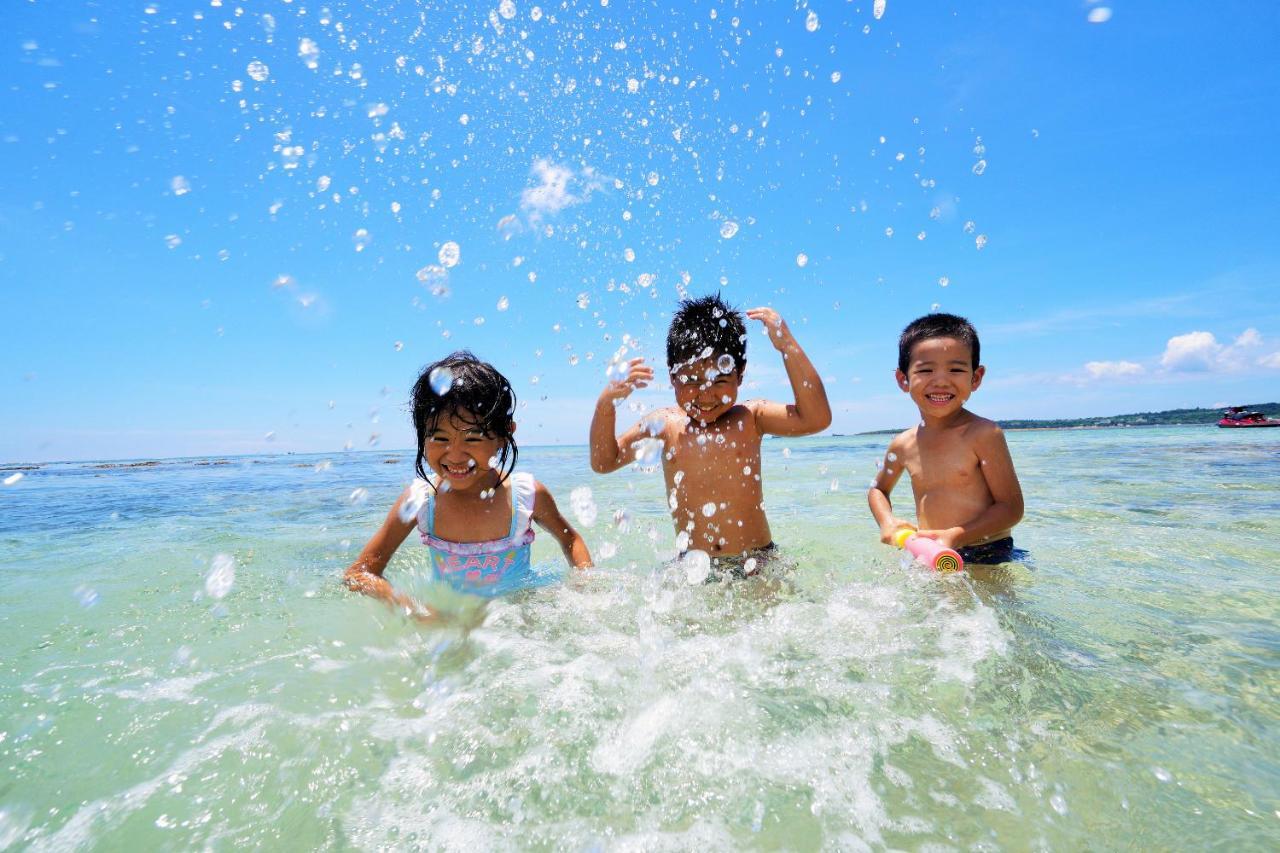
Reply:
x=710, y=441
x=967, y=493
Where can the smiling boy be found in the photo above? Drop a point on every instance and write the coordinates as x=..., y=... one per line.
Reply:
x=710, y=441
x=967, y=493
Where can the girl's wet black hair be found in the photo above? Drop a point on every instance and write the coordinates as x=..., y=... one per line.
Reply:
x=469, y=384
x=706, y=322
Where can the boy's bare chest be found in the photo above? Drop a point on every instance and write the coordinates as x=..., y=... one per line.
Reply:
x=941, y=461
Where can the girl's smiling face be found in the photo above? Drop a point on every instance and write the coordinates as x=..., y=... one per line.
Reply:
x=461, y=453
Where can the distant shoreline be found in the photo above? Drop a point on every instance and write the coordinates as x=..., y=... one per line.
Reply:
x=1167, y=418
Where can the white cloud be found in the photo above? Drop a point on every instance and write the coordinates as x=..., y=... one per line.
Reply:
x=557, y=187
x=1194, y=352
x=1113, y=369
x=1201, y=351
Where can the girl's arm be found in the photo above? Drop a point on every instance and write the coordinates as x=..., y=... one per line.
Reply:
x=548, y=516
x=365, y=574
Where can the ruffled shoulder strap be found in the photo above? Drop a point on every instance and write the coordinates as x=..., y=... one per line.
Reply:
x=523, y=492
x=422, y=503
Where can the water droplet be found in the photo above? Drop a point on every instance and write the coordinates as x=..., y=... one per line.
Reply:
x=728, y=228
x=258, y=70
x=980, y=167
x=652, y=179
x=877, y=9
x=322, y=183
x=441, y=380
x=980, y=241
x=435, y=279
x=1100, y=15
x=12, y=479
x=361, y=239
x=786, y=453
x=944, y=281
x=507, y=9
x=358, y=496
x=450, y=254
x=87, y=596
x=697, y=567
x=835, y=76
x=892, y=457
x=221, y=576
x=1059, y=803
x=709, y=509
x=649, y=452
x=970, y=227
x=725, y=363
x=309, y=52
x=629, y=254
x=584, y=506
x=811, y=21
x=536, y=13
x=503, y=303
x=399, y=346
x=179, y=185
x=1162, y=774
x=802, y=260
x=584, y=300
x=172, y=241
x=888, y=232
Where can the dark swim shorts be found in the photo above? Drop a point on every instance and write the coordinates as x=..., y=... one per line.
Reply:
x=992, y=553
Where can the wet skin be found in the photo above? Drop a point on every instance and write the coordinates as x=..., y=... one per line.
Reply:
x=962, y=476
x=711, y=443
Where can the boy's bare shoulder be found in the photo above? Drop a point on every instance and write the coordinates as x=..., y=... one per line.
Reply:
x=981, y=427
x=903, y=439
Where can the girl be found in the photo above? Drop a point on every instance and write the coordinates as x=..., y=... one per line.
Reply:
x=472, y=512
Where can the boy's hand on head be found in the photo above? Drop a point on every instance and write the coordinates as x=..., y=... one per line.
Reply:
x=779, y=334
x=638, y=375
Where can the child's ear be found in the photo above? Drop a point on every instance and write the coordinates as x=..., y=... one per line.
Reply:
x=977, y=376
x=902, y=381
x=511, y=428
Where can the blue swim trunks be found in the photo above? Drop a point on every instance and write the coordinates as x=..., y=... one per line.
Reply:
x=992, y=553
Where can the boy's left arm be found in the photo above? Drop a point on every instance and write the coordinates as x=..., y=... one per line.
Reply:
x=810, y=412
x=1006, y=508
x=548, y=517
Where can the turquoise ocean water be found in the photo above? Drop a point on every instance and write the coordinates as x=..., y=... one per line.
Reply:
x=1118, y=691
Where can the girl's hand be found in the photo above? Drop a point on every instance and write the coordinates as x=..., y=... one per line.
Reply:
x=638, y=375
x=779, y=334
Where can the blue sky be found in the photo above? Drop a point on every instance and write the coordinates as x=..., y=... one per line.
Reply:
x=196, y=261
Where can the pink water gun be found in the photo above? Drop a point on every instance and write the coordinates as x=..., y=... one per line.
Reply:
x=931, y=552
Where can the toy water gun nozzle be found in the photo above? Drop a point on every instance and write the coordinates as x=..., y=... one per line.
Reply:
x=928, y=551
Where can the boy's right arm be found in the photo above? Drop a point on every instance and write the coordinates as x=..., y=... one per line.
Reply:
x=365, y=574
x=609, y=453
x=878, y=495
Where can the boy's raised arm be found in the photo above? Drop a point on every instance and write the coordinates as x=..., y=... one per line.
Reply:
x=608, y=452
x=811, y=412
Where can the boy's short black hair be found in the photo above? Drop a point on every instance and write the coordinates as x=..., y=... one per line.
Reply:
x=461, y=381
x=706, y=328
x=937, y=326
